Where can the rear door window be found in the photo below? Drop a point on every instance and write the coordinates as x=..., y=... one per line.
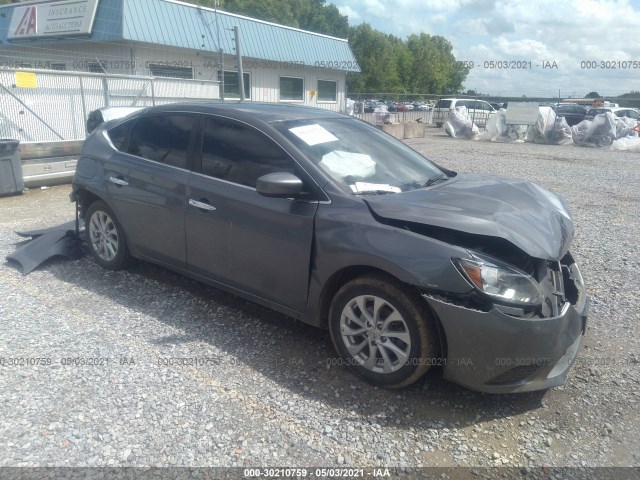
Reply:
x=163, y=138
x=118, y=134
x=443, y=104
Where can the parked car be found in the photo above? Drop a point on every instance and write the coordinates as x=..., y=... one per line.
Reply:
x=617, y=111
x=573, y=114
x=479, y=111
x=328, y=219
x=369, y=106
x=391, y=106
x=424, y=107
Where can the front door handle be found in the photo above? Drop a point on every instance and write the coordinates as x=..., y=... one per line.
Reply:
x=201, y=205
x=118, y=181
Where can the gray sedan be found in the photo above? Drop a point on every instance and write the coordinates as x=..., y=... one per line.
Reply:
x=329, y=220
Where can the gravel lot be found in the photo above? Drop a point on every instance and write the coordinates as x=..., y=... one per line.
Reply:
x=262, y=391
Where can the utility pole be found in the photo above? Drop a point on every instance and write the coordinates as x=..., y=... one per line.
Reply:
x=221, y=52
x=236, y=34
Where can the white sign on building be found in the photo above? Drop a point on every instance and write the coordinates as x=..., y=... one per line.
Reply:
x=55, y=19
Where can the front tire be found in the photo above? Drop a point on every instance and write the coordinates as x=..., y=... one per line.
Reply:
x=383, y=331
x=106, y=237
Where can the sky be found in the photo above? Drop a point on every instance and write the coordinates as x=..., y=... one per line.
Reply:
x=564, y=48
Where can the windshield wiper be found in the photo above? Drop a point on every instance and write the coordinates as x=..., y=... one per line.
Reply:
x=440, y=177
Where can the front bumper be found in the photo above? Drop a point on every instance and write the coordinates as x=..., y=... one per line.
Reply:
x=497, y=353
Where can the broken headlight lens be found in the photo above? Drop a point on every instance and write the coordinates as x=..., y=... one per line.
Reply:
x=500, y=281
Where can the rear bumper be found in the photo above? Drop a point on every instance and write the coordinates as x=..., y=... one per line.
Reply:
x=496, y=353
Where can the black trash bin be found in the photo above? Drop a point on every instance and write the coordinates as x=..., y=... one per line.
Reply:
x=11, y=180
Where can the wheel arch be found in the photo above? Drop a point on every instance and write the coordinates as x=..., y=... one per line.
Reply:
x=85, y=198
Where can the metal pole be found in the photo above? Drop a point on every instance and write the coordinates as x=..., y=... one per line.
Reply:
x=84, y=105
x=236, y=33
x=153, y=93
x=144, y=88
x=105, y=91
x=221, y=75
x=221, y=52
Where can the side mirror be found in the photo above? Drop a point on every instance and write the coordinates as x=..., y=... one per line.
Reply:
x=279, y=185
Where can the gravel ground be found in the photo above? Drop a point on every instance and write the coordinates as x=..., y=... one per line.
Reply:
x=261, y=391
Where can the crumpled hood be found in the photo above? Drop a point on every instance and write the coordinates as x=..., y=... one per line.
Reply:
x=523, y=213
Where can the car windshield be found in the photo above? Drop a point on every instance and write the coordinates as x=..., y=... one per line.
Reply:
x=359, y=157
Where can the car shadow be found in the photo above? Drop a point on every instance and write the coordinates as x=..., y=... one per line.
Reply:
x=298, y=357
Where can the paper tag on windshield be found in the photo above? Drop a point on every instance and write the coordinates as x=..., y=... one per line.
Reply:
x=362, y=187
x=313, y=134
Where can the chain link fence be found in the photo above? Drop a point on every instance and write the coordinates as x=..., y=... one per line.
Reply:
x=45, y=105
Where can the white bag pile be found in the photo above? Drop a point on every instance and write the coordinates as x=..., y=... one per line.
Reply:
x=459, y=126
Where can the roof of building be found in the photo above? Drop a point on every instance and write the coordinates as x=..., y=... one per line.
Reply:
x=177, y=24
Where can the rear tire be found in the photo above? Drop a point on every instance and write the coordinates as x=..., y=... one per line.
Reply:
x=383, y=331
x=106, y=237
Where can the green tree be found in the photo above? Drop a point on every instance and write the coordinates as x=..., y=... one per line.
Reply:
x=377, y=55
x=316, y=16
x=434, y=68
x=592, y=95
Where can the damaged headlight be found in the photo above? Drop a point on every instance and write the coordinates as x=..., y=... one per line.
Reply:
x=501, y=282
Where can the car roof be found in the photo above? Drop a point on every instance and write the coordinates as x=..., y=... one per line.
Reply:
x=267, y=112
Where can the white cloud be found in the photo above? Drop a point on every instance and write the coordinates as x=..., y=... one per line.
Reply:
x=374, y=8
x=353, y=15
x=568, y=33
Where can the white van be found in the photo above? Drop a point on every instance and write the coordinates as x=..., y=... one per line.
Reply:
x=479, y=111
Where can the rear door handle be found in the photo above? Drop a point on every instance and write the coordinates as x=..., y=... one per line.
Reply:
x=201, y=205
x=118, y=181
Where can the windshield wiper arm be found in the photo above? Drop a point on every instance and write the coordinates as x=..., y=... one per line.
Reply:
x=440, y=177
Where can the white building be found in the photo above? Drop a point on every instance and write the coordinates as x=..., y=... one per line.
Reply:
x=167, y=38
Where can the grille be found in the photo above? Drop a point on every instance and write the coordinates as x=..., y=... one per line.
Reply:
x=514, y=375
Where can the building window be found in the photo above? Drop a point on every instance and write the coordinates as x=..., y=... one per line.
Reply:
x=96, y=67
x=58, y=66
x=292, y=89
x=232, y=86
x=158, y=70
x=327, y=91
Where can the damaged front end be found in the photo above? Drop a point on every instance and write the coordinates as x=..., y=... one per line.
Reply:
x=520, y=324
x=517, y=331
